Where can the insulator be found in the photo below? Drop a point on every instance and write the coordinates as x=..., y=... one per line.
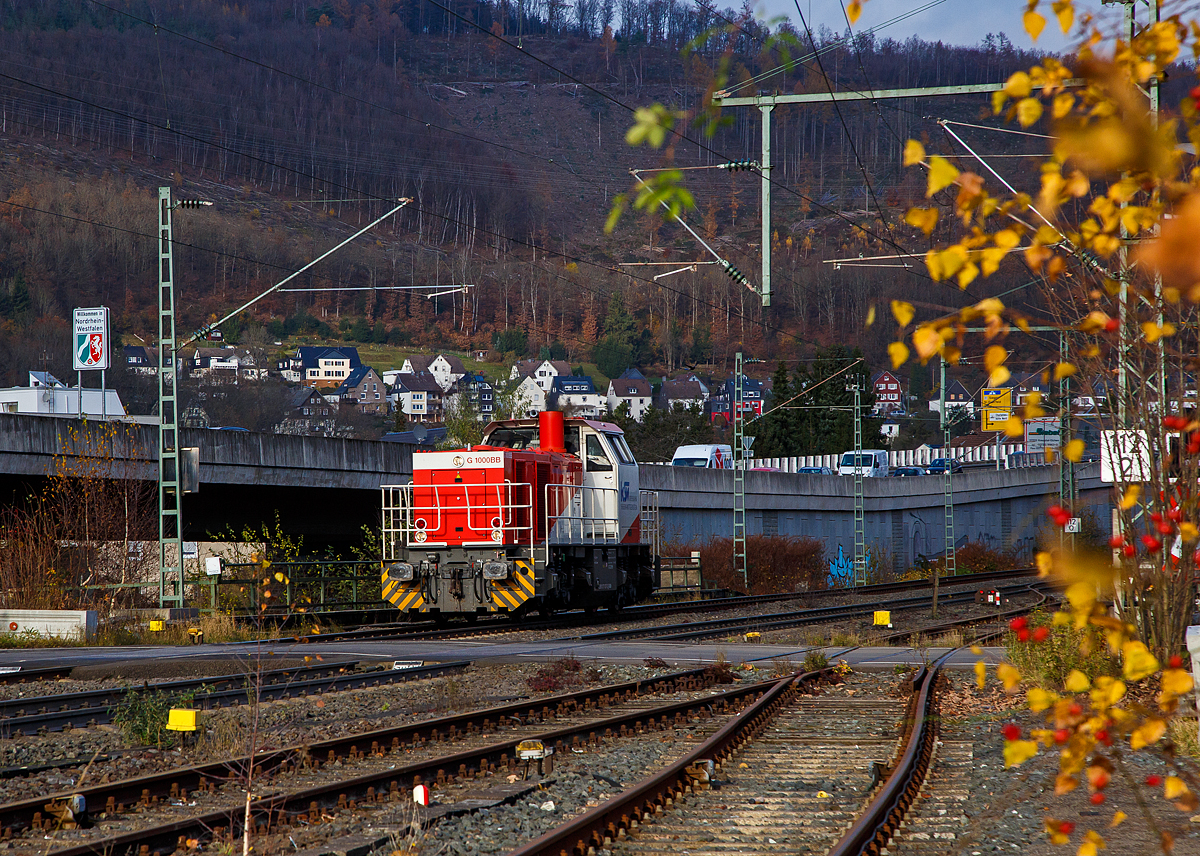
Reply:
x=739, y=165
x=734, y=274
x=192, y=203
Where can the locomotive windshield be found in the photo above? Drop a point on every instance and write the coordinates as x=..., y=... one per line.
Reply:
x=624, y=455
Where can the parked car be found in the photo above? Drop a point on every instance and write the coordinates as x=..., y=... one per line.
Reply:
x=815, y=471
x=938, y=466
x=872, y=463
x=901, y=472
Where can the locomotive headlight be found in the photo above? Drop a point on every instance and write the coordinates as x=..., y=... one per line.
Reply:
x=400, y=571
x=495, y=570
x=419, y=536
x=497, y=535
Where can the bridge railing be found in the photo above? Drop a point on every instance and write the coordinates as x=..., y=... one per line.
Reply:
x=298, y=586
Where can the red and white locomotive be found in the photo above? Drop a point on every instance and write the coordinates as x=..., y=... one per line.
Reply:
x=544, y=514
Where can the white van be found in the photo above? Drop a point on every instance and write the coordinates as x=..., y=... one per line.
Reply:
x=710, y=455
x=872, y=463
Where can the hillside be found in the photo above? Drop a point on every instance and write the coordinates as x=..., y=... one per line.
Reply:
x=301, y=122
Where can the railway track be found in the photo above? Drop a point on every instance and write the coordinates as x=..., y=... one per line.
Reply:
x=31, y=715
x=296, y=792
x=747, y=790
x=503, y=624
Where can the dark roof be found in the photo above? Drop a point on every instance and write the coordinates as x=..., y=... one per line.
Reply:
x=308, y=355
x=417, y=383
x=682, y=390
x=303, y=395
x=420, y=362
x=456, y=365
x=631, y=374
x=355, y=377
x=624, y=387
x=572, y=385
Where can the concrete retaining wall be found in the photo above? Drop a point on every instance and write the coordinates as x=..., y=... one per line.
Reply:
x=904, y=517
x=63, y=623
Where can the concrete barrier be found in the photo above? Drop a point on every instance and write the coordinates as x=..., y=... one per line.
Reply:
x=63, y=623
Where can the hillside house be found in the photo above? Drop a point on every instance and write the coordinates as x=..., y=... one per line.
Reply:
x=576, y=396
x=529, y=399
x=419, y=397
x=633, y=389
x=319, y=366
x=480, y=393
x=889, y=394
x=365, y=390
x=542, y=371
x=222, y=365
x=688, y=392
x=446, y=370
x=308, y=414
x=752, y=400
x=957, y=398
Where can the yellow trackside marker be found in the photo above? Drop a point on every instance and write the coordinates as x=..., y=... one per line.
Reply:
x=883, y=618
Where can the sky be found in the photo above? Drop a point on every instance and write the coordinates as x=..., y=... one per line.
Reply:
x=958, y=22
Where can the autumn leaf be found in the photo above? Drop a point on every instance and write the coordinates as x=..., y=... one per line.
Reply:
x=914, y=153
x=1009, y=676
x=1064, y=10
x=1040, y=699
x=1034, y=24
x=1073, y=451
x=1077, y=682
x=903, y=312
x=1017, y=752
x=650, y=126
x=1176, y=681
x=980, y=673
x=898, y=352
x=1147, y=734
x=924, y=219
x=1107, y=692
x=1139, y=662
x=1117, y=819
x=1064, y=370
x=1029, y=110
x=1174, y=788
x=927, y=341
x=994, y=356
x=942, y=174
x=1130, y=499
x=854, y=9
x=870, y=316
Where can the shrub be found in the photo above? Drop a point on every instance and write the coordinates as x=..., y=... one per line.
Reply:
x=556, y=676
x=814, y=661
x=1049, y=662
x=141, y=715
x=775, y=563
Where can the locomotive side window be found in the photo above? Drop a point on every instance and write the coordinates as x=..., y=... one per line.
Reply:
x=513, y=438
x=618, y=445
x=571, y=441
x=597, y=461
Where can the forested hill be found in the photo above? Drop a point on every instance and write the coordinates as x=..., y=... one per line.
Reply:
x=503, y=121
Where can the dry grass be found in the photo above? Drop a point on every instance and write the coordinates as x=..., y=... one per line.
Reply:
x=1183, y=733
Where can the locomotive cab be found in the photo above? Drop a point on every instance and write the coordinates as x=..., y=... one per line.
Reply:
x=542, y=514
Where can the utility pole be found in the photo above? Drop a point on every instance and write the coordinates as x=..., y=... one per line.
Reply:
x=860, y=525
x=740, y=564
x=766, y=103
x=947, y=490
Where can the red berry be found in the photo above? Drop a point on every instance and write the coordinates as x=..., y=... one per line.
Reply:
x=1040, y=634
x=1153, y=780
x=1023, y=634
x=1116, y=542
x=1012, y=731
x=1165, y=527
x=1193, y=446
x=1102, y=736
x=1062, y=735
x=1175, y=514
x=1175, y=423
x=1018, y=623
x=1151, y=543
x=1176, y=662
x=1194, y=92
x=1156, y=517
x=1054, y=510
x=1075, y=710
x=1129, y=550
x=1097, y=798
x=1066, y=827
x=1111, y=324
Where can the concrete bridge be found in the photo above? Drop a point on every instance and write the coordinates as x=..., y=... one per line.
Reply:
x=327, y=489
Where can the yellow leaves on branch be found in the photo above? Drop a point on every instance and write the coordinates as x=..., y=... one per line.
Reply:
x=1033, y=23
x=1147, y=734
x=898, y=353
x=924, y=219
x=650, y=126
x=903, y=312
x=853, y=10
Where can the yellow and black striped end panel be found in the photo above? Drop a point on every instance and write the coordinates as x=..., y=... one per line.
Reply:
x=511, y=593
x=404, y=596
